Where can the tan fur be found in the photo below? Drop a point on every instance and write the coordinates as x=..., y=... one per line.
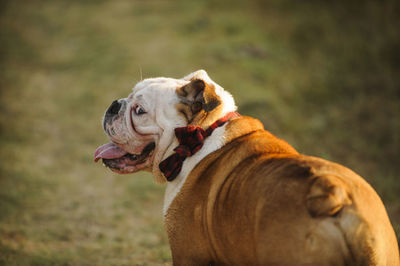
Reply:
x=256, y=201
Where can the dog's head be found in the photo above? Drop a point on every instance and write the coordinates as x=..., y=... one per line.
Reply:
x=141, y=126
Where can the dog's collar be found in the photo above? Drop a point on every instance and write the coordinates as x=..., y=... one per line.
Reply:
x=191, y=139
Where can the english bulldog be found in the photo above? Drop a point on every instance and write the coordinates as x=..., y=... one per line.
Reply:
x=235, y=193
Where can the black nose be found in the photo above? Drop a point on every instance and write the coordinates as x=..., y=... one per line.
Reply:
x=114, y=108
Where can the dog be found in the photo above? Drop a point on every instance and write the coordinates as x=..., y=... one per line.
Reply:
x=235, y=193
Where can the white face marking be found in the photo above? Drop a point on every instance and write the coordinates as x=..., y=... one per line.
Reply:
x=151, y=114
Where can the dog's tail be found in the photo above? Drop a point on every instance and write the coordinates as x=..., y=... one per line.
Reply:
x=360, y=217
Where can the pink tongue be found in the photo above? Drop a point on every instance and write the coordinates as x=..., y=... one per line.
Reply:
x=108, y=151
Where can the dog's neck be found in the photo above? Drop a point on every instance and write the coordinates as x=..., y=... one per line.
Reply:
x=191, y=139
x=212, y=143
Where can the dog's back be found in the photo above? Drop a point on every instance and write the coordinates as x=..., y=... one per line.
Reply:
x=273, y=206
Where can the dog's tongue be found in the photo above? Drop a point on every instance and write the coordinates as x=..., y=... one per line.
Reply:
x=108, y=151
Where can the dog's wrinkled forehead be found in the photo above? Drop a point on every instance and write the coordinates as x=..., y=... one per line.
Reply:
x=158, y=84
x=153, y=91
x=162, y=83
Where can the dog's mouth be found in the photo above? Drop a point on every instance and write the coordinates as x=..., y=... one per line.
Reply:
x=123, y=162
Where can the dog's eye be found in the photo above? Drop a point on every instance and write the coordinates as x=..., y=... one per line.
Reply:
x=139, y=110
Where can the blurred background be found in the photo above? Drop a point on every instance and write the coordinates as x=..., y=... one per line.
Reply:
x=324, y=75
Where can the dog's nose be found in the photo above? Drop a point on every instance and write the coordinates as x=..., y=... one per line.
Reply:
x=114, y=108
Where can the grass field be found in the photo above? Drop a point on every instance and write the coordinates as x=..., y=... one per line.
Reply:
x=323, y=76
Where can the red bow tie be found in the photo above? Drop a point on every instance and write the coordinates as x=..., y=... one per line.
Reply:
x=191, y=139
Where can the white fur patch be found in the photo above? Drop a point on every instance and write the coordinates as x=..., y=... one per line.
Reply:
x=212, y=143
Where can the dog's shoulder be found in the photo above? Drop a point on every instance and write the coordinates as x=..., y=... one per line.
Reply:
x=248, y=132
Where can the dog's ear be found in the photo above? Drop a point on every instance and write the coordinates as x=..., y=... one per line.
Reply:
x=199, y=74
x=199, y=95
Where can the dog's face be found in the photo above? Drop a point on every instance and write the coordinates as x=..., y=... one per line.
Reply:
x=141, y=126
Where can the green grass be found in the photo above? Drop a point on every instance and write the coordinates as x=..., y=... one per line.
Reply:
x=322, y=76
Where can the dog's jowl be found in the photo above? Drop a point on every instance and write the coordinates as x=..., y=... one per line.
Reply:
x=236, y=194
